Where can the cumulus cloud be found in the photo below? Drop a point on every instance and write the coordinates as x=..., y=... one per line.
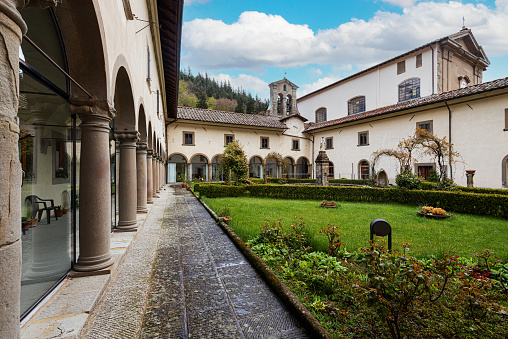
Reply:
x=308, y=88
x=401, y=3
x=247, y=82
x=260, y=40
x=191, y=2
x=315, y=72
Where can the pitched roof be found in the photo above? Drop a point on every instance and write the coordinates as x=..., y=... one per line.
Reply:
x=221, y=117
x=431, y=99
x=461, y=34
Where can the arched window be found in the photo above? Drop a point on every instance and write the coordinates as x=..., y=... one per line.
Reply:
x=356, y=105
x=504, y=171
x=409, y=89
x=177, y=168
x=217, y=172
x=289, y=163
x=302, y=168
x=321, y=115
x=279, y=104
x=364, y=169
x=199, y=167
x=272, y=170
x=256, y=168
x=289, y=105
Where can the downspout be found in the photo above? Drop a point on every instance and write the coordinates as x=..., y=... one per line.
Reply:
x=313, y=160
x=449, y=136
x=432, y=68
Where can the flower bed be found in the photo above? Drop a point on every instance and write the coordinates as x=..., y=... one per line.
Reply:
x=432, y=212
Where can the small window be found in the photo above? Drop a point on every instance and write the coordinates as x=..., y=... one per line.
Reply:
x=419, y=60
x=264, y=143
x=363, y=138
x=284, y=88
x=401, y=67
x=329, y=143
x=296, y=145
x=409, y=89
x=356, y=105
x=228, y=138
x=364, y=170
x=188, y=138
x=506, y=119
x=321, y=115
x=331, y=173
x=425, y=125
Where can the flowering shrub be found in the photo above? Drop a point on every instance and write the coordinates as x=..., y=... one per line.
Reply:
x=328, y=204
x=433, y=211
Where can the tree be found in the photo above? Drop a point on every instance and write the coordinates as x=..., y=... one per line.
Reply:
x=234, y=161
x=227, y=105
x=185, y=98
x=211, y=103
x=202, y=101
x=438, y=148
x=278, y=159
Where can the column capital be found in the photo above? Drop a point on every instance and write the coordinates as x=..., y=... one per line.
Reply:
x=92, y=111
x=127, y=136
x=11, y=9
x=141, y=147
x=149, y=152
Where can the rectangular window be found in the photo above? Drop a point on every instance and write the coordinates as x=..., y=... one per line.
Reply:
x=228, y=138
x=419, y=60
x=425, y=125
x=401, y=67
x=506, y=119
x=329, y=143
x=264, y=143
x=188, y=138
x=363, y=138
x=296, y=145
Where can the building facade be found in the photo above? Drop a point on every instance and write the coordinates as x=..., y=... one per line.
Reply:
x=85, y=90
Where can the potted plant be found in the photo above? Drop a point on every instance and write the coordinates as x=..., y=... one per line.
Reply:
x=182, y=178
x=188, y=184
x=59, y=211
x=26, y=220
x=432, y=212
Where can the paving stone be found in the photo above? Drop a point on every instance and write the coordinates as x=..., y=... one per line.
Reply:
x=203, y=292
x=164, y=321
x=267, y=324
x=219, y=323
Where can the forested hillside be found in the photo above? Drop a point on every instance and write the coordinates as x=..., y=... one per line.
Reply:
x=203, y=92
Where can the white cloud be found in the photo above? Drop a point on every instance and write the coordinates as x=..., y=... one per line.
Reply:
x=259, y=40
x=401, y=3
x=315, y=72
x=308, y=88
x=191, y=2
x=247, y=82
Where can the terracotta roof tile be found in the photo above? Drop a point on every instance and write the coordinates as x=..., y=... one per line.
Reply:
x=221, y=117
x=463, y=92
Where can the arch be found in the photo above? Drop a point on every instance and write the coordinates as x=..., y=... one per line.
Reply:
x=177, y=167
x=256, y=167
x=280, y=99
x=124, y=102
x=289, y=162
x=143, y=135
x=356, y=105
x=289, y=104
x=382, y=179
x=199, y=167
x=272, y=170
x=321, y=114
x=303, y=168
x=504, y=171
x=217, y=171
x=74, y=18
x=363, y=169
x=409, y=89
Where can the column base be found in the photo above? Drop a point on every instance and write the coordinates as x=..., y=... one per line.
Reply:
x=142, y=210
x=150, y=202
x=127, y=226
x=158, y=190
x=94, y=263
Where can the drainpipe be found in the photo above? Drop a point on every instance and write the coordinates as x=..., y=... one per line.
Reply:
x=432, y=68
x=449, y=136
x=312, y=171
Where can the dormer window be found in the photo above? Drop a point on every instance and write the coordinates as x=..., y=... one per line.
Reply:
x=356, y=105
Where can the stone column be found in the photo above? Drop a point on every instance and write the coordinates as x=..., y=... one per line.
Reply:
x=322, y=163
x=210, y=172
x=128, y=180
x=149, y=176
x=469, y=176
x=12, y=27
x=95, y=185
x=141, y=154
x=154, y=175
x=158, y=175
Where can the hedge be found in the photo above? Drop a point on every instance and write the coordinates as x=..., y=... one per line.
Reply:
x=483, y=190
x=461, y=202
x=311, y=181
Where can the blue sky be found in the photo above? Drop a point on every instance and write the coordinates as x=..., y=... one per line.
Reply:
x=253, y=43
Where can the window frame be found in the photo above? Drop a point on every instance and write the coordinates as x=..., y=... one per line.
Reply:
x=322, y=110
x=366, y=138
x=419, y=60
x=431, y=125
x=184, y=139
x=401, y=67
x=409, y=86
x=226, y=139
x=505, y=119
x=352, y=108
x=293, y=144
x=267, y=142
x=331, y=143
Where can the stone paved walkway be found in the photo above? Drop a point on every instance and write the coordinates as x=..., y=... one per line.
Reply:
x=184, y=278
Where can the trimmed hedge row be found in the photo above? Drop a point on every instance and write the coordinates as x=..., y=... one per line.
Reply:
x=483, y=190
x=312, y=181
x=479, y=204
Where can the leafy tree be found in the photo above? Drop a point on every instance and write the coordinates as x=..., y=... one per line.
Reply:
x=211, y=103
x=202, y=101
x=227, y=105
x=438, y=148
x=234, y=161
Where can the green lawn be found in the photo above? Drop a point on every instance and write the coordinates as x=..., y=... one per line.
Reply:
x=461, y=233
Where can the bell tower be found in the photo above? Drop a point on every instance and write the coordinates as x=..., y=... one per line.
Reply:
x=282, y=99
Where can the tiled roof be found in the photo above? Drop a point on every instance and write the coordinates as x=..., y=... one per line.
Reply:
x=296, y=115
x=221, y=117
x=435, y=98
x=452, y=36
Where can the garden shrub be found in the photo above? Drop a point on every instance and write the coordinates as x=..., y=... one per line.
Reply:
x=219, y=190
x=408, y=180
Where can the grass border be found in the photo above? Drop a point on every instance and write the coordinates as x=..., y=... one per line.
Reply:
x=311, y=324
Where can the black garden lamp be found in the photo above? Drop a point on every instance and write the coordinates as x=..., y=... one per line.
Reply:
x=381, y=228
